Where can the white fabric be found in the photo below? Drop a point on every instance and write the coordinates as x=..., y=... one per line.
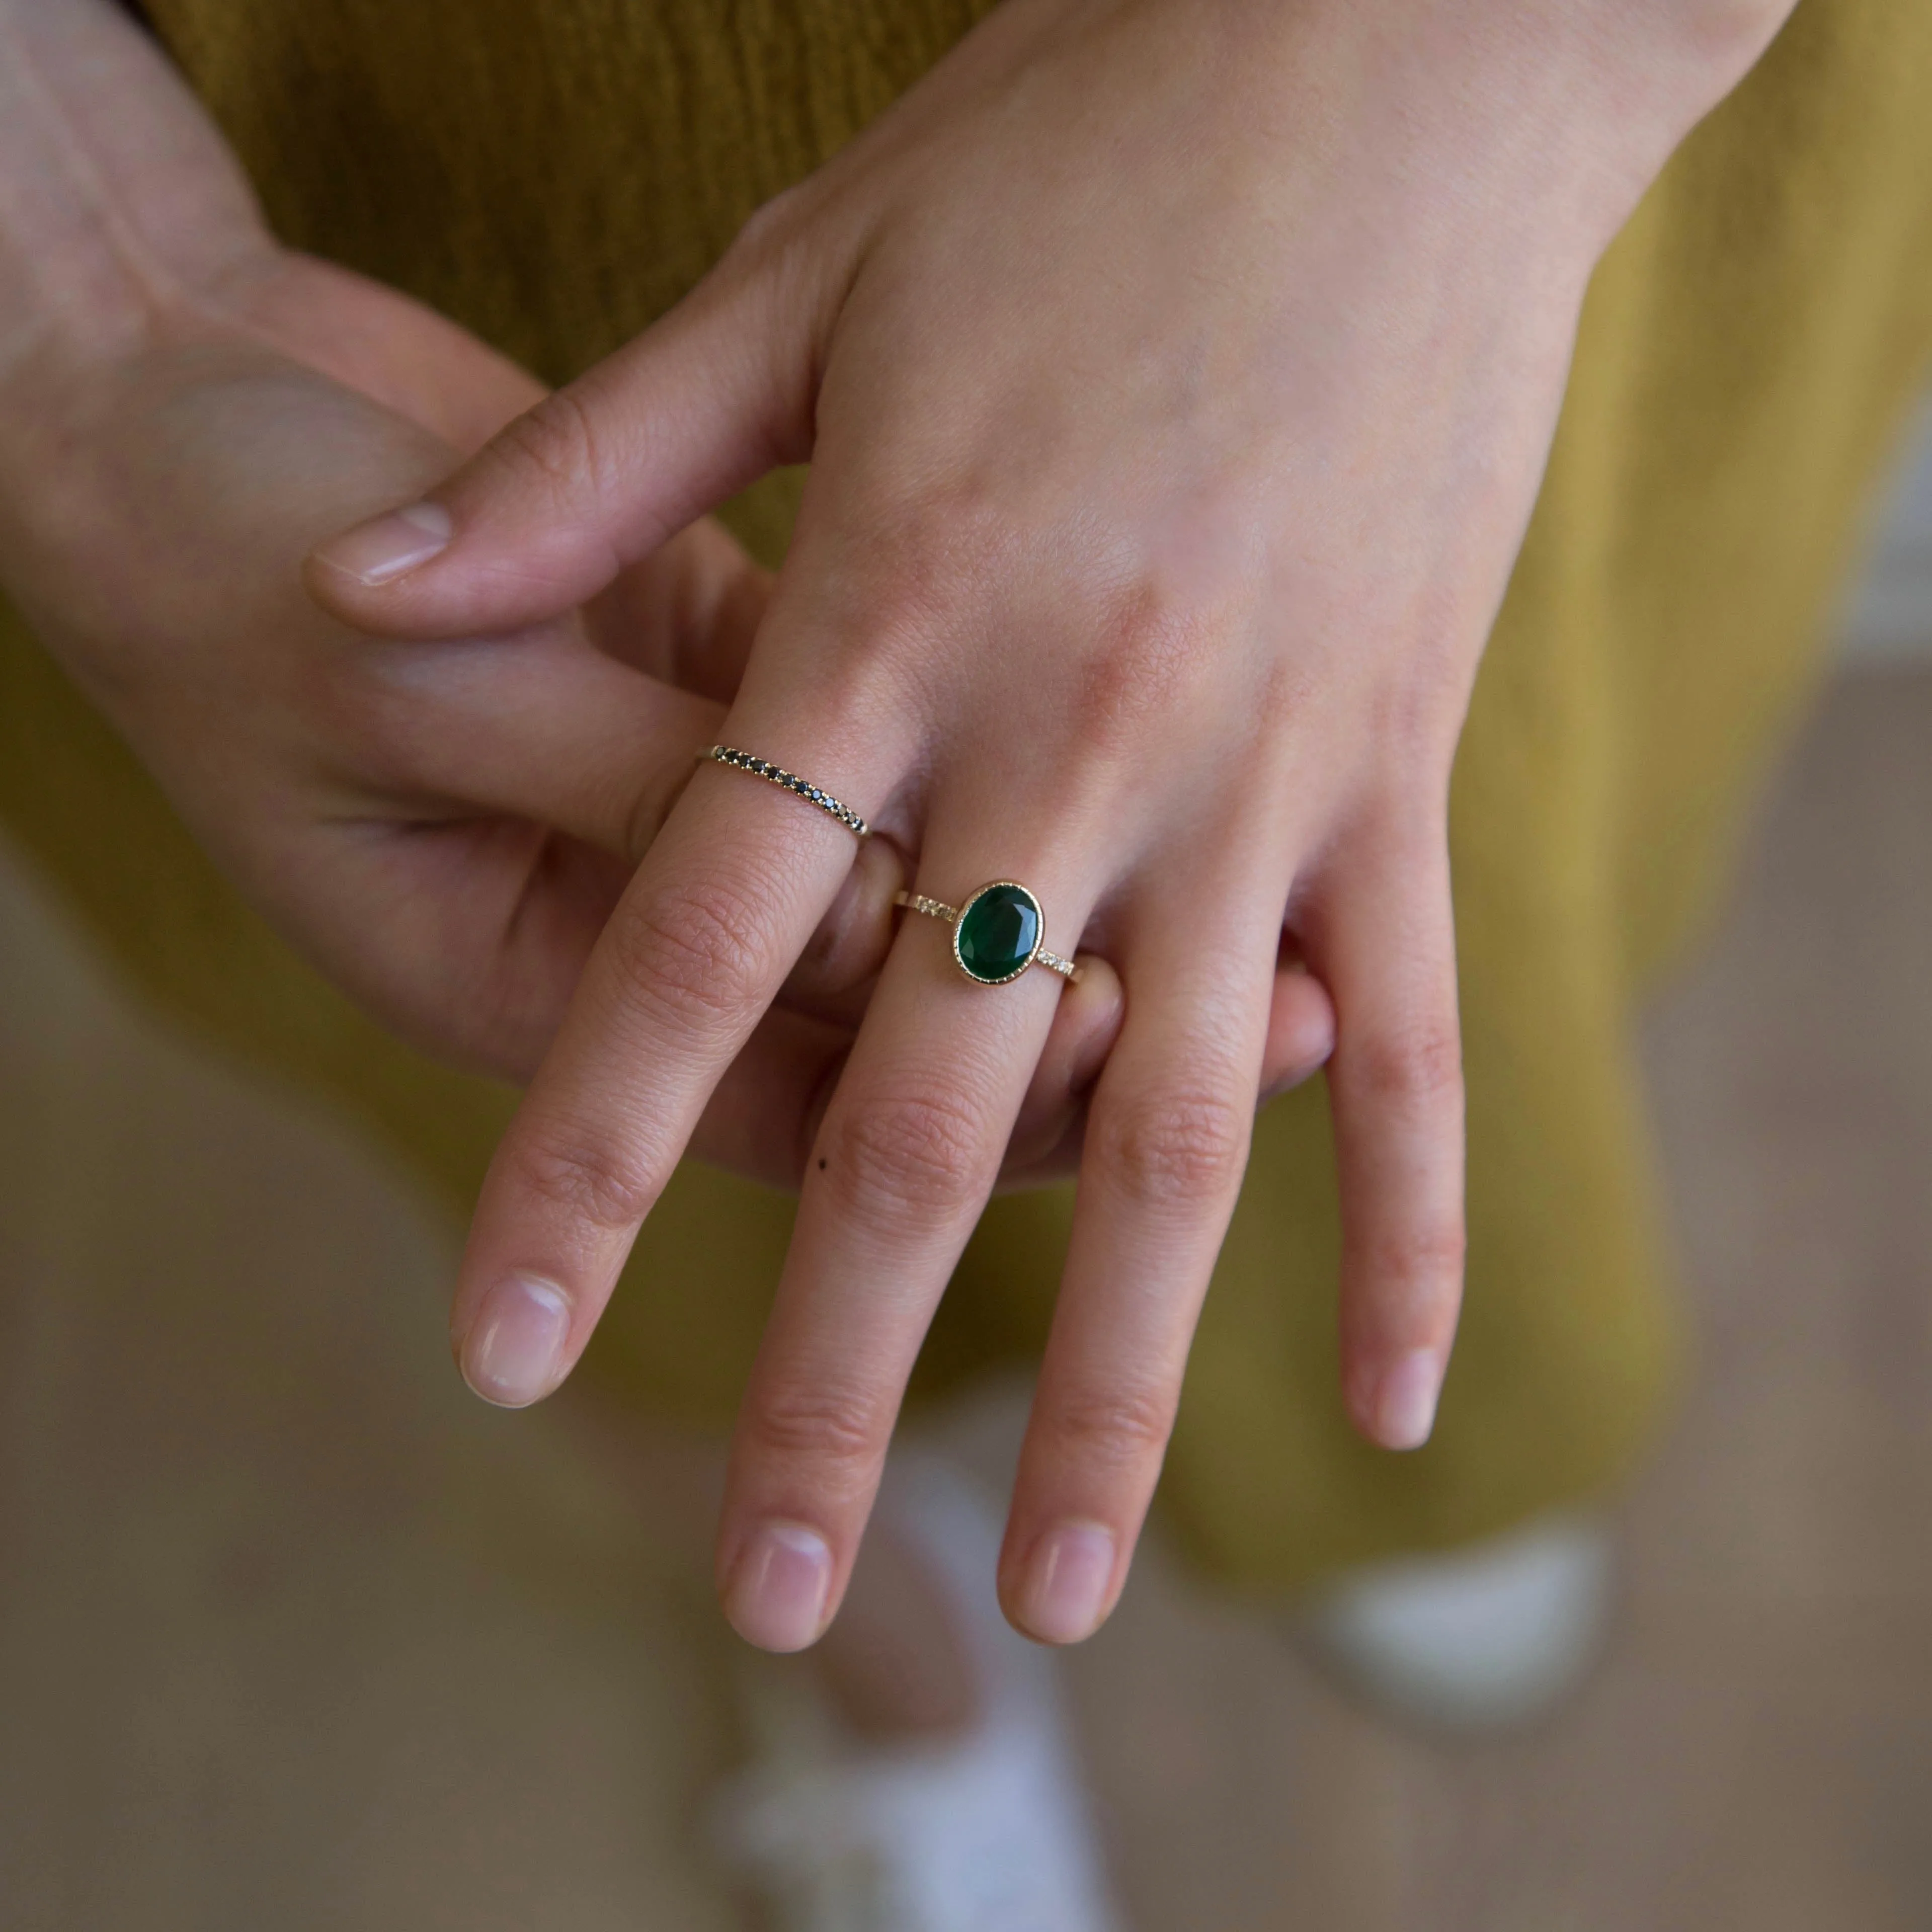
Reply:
x=989, y=1834
x=1479, y=1639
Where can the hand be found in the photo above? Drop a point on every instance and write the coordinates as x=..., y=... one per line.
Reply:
x=185, y=408
x=1177, y=379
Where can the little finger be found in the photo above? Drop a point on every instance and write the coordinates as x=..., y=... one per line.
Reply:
x=1386, y=946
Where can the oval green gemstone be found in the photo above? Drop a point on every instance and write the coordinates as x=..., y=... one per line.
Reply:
x=998, y=929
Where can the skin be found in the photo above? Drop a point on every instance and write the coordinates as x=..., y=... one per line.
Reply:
x=188, y=409
x=1177, y=377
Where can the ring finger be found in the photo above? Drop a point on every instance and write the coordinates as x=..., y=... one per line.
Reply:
x=903, y=1164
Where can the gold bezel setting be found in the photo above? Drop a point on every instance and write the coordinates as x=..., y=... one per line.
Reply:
x=965, y=911
x=955, y=916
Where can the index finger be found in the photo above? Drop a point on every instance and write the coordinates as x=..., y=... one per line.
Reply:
x=728, y=895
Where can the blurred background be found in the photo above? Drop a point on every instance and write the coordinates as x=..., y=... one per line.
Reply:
x=293, y=1632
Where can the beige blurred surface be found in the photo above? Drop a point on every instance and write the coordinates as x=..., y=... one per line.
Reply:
x=1756, y=1752
x=293, y=1634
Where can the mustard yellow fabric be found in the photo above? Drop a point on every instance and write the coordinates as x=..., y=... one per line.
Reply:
x=555, y=172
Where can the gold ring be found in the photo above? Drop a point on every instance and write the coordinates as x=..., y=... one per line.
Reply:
x=996, y=934
x=743, y=761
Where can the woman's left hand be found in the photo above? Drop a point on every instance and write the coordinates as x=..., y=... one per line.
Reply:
x=1177, y=376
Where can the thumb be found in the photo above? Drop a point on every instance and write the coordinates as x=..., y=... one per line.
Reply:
x=597, y=475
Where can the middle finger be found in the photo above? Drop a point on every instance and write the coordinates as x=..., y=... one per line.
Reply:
x=1166, y=1148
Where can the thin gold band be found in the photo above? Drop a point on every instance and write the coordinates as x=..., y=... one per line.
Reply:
x=949, y=916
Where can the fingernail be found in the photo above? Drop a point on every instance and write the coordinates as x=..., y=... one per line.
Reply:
x=514, y=1350
x=390, y=546
x=1405, y=1402
x=1067, y=1582
x=775, y=1598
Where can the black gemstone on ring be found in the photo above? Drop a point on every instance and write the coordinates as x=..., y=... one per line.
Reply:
x=731, y=755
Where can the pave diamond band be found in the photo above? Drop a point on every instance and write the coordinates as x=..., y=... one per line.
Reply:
x=743, y=761
x=996, y=934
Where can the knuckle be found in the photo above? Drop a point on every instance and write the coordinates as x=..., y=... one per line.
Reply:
x=1181, y=1148
x=694, y=955
x=1141, y=646
x=925, y=548
x=590, y=1181
x=907, y=1156
x=1415, y=1265
x=1115, y=1429
x=877, y=650
x=1415, y=1072
x=1408, y=712
x=1288, y=693
x=556, y=442
x=833, y=1428
x=1399, y=834
x=1400, y=828
x=769, y=227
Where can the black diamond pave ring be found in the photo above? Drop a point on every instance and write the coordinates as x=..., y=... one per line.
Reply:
x=743, y=761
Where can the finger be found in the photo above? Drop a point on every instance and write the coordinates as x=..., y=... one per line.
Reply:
x=569, y=738
x=539, y=728
x=1300, y=1030
x=835, y=975
x=1045, y=1140
x=1385, y=945
x=904, y=1163
x=1167, y=1142
x=728, y=896
x=764, y=1112
x=761, y=1118
x=687, y=615
x=467, y=761
x=597, y=476
x=1050, y=1135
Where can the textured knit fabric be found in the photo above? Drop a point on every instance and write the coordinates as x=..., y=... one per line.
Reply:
x=555, y=172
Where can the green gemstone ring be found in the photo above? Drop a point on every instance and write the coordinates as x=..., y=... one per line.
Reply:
x=996, y=934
